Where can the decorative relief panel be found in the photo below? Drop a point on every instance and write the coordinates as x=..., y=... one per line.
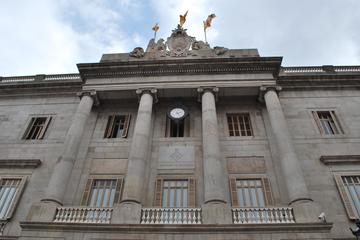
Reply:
x=253, y=164
x=109, y=166
x=176, y=157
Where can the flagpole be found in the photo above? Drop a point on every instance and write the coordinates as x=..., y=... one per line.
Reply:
x=154, y=36
x=205, y=35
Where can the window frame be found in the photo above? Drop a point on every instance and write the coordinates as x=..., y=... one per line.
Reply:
x=335, y=118
x=346, y=199
x=186, y=121
x=266, y=187
x=159, y=187
x=18, y=194
x=30, y=123
x=249, y=114
x=110, y=120
x=86, y=195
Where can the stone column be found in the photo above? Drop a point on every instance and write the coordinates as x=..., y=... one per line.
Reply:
x=215, y=208
x=304, y=208
x=62, y=171
x=45, y=210
x=129, y=210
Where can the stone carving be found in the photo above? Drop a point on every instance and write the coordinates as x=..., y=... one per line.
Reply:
x=138, y=52
x=179, y=42
x=156, y=47
x=220, y=50
x=197, y=45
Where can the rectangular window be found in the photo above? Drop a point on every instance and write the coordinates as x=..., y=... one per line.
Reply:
x=239, y=124
x=327, y=122
x=117, y=126
x=10, y=191
x=102, y=193
x=177, y=128
x=250, y=192
x=175, y=193
x=349, y=188
x=37, y=128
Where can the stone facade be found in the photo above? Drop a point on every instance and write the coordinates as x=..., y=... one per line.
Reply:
x=287, y=148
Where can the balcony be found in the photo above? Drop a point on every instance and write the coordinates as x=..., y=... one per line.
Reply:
x=263, y=215
x=83, y=215
x=171, y=216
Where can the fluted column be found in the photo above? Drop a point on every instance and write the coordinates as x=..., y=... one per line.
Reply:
x=291, y=169
x=129, y=210
x=64, y=165
x=216, y=209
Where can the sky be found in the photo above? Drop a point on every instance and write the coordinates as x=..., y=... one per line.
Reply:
x=52, y=36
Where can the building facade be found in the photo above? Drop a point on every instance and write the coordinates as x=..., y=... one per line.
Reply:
x=181, y=141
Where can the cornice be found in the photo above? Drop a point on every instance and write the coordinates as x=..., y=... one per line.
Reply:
x=19, y=163
x=175, y=228
x=340, y=159
x=181, y=67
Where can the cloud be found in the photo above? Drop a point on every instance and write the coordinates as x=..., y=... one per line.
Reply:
x=51, y=36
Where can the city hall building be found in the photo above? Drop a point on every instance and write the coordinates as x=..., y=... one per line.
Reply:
x=181, y=141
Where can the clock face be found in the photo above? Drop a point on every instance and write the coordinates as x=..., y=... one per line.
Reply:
x=177, y=113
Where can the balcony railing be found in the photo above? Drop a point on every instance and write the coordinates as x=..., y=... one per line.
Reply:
x=83, y=215
x=171, y=216
x=262, y=215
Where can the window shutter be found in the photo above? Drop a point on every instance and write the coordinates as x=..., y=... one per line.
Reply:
x=43, y=130
x=233, y=192
x=86, y=194
x=126, y=126
x=191, y=193
x=267, y=192
x=187, y=126
x=158, y=192
x=167, y=129
x=28, y=129
x=109, y=126
x=19, y=190
x=119, y=183
x=345, y=197
x=316, y=118
x=339, y=130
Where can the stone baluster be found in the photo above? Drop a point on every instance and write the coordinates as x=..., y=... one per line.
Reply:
x=215, y=209
x=304, y=208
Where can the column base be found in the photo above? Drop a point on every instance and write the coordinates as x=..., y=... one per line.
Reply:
x=42, y=211
x=126, y=213
x=305, y=210
x=216, y=213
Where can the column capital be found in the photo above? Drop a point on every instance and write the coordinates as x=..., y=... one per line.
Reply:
x=202, y=90
x=152, y=91
x=90, y=93
x=265, y=89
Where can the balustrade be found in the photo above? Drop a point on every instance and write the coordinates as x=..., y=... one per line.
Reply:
x=262, y=215
x=171, y=216
x=83, y=215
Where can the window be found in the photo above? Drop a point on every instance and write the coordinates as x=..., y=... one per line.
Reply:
x=327, y=122
x=37, y=128
x=349, y=188
x=177, y=128
x=252, y=192
x=10, y=191
x=117, y=126
x=102, y=193
x=175, y=193
x=239, y=124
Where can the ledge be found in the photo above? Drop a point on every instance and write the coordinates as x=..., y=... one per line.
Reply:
x=19, y=163
x=340, y=159
x=174, y=228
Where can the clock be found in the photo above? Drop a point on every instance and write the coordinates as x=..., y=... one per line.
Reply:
x=177, y=113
